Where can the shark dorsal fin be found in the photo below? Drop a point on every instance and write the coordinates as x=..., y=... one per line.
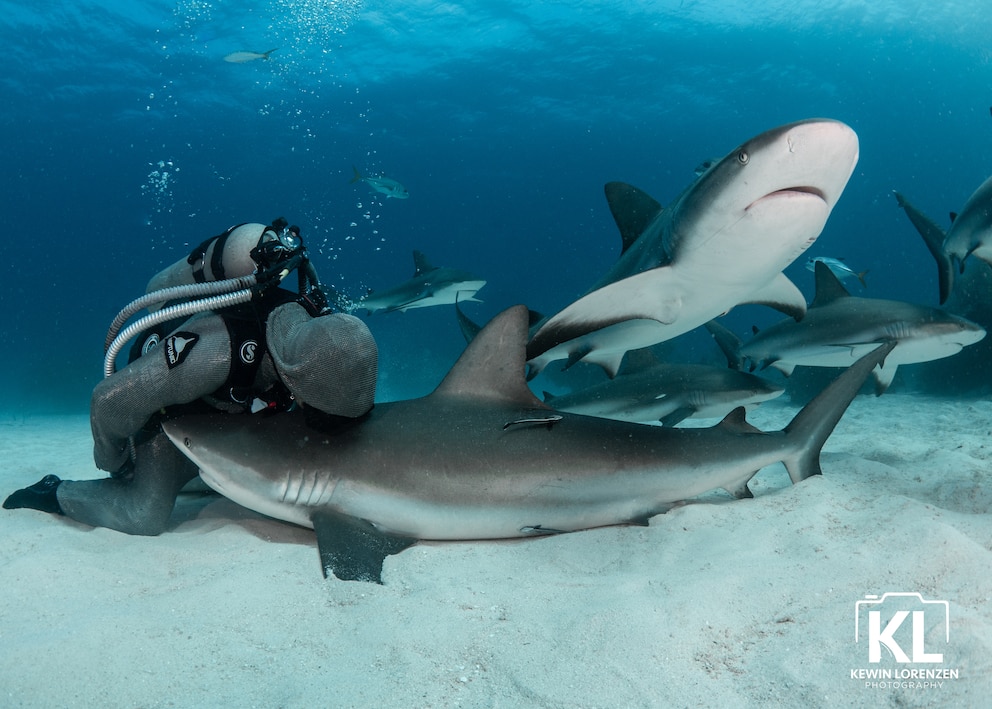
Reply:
x=633, y=210
x=736, y=422
x=420, y=264
x=828, y=286
x=493, y=364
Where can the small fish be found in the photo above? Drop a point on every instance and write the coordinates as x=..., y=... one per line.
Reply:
x=385, y=185
x=244, y=57
x=838, y=267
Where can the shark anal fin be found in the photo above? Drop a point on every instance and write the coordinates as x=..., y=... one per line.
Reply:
x=352, y=549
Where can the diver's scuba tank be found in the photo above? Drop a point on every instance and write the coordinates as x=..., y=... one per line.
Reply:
x=235, y=267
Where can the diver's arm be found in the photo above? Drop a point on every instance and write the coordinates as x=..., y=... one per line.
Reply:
x=124, y=402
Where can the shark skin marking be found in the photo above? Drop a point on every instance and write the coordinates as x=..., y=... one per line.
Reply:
x=429, y=286
x=724, y=241
x=446, y=467
x=839, y=328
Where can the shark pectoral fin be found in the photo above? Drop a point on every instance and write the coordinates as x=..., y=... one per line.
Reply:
x=781, y=293
x=883, y=376
x=786, y=368
x=742, y=491
x=651, y=295
x=352, y=549
x=677, y=416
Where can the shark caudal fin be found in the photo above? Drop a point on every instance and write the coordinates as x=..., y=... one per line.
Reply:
x=811, y=427
x=933, y=237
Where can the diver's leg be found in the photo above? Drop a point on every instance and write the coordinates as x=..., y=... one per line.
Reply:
x=140, y=503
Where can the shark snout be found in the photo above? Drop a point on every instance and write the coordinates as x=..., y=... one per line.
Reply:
x=817, y=157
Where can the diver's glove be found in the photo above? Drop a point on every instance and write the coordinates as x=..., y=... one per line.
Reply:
x=40, y=496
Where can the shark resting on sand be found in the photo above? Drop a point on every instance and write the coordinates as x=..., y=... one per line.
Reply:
x=724, y=241
x=429, y=286
x=482, y=458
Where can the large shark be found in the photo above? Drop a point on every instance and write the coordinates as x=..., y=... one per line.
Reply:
x=970, y=234
x=839, y=328
x=482, y=458
x=724, y=241
x=429, y=286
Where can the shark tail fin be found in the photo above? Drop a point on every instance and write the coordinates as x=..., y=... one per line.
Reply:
x=265, y=55
x=811, y=427
x=357, y=177
x=933, y=237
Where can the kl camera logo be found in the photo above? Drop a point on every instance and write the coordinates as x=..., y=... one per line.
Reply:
x=894, y=609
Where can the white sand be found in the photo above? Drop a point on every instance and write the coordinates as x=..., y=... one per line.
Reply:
x=722, y=603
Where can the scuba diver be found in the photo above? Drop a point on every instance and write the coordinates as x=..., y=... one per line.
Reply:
x=221, y=336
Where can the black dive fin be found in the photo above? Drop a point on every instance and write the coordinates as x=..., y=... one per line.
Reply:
x=352, y=549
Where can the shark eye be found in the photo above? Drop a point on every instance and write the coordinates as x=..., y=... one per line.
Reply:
x=743, y=157
x=188, y=443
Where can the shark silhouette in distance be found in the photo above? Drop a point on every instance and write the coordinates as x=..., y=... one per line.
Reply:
x=381, y=184
x=429, y=286
x=970, y=234
x=840, y=328
x=724, y=241
x=482, y=458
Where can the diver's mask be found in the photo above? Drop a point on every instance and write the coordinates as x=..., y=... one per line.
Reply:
x=277, y=244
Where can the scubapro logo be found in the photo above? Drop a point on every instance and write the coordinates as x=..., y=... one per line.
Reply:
x=248, y=351
x=178, y=346
x=150, y=344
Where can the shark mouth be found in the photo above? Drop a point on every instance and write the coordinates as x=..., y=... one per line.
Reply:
x=788, y=191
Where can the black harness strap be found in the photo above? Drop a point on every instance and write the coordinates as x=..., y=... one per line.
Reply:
x=196, y=256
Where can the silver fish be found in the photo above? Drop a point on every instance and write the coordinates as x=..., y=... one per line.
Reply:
x=246, y=56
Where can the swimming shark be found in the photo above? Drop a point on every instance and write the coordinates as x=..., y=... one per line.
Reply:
x=381, y=184
x=482, y=458
x=668, y=392
x=724, y=241
x=429, y=286
x=970, y=234
x=839, y=328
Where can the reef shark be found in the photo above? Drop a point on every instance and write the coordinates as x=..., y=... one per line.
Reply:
x=669, y=393
x=839, y=328
x=429, y=286
x=970, y=234
x=482, y=458
x=724, y=241
x=381, y=184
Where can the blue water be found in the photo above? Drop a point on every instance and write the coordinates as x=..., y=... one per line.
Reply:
x=126, y=139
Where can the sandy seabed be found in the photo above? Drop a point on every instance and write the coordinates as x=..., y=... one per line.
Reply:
x=717, y=603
